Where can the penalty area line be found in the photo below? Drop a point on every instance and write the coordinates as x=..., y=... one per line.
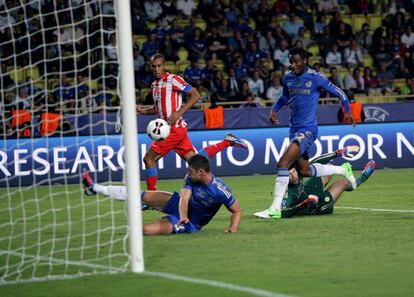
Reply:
x=216, y=284
x=377, y=209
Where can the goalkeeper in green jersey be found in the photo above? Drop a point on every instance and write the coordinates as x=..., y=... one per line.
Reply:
x=311, y=197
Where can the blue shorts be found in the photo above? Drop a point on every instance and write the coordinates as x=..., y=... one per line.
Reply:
x=304, y=139
x=171, y=208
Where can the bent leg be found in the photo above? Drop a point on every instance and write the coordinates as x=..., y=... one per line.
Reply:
x=156, y=199
x=282, y=179
x=160, y=227
x=188, y=155
x=337, y=188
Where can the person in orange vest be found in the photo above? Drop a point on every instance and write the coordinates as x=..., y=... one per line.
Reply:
x=214, y=116
x=21, y=120
x=357, y=112
x=50, y=122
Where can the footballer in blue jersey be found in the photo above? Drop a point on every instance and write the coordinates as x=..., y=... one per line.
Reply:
x=301, y=91
x=199, y=200
x=188, y=211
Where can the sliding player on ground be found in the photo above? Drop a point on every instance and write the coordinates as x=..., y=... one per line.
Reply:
x=312, y=196
x=188, y=211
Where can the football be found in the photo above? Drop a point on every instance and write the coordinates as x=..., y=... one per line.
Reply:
x=158, y=129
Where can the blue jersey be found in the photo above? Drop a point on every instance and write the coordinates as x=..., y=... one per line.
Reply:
x=206, y=200
x=302, y=94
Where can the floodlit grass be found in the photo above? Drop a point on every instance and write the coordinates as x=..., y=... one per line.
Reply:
x=350, y=253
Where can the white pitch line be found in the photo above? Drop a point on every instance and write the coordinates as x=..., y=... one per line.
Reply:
x=165, y=275
x=377, y=209
x=217, y=284
x=55, y=260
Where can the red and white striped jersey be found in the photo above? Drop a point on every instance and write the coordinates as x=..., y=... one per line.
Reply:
x=166, y=92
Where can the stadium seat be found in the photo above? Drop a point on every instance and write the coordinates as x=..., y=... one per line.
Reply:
x=281, y=18
x=251, y=22
x=362, y=98
x=357, y=21
x=139, y=40
x=314, y=50
x=374, y=21
x=33, y=72
x=202, y=63
x=70, y=80
x=220, y=65
x=17, y=74
x=52, y=83
x=368, y=61
x=268, y=63
x=182, y=55
x=92, y=84
x=314, y=59
x=324, y=71
x=9, y=96
x=328, y=17
x=399, y=83
x=343, y=9
x=200, y=23
x=183, y=22
x=392, y=99
x=347, y=19
x=144, y=93
x=151, y=25
x=182, y=65
x=342, y=72
x=41, y=84
x=170, y=66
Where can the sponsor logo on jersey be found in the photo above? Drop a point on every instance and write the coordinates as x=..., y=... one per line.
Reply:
x=299, y=91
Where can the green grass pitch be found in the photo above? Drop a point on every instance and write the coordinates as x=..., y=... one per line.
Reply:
x=350, y=253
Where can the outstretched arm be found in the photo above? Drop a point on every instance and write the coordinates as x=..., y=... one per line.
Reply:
x=235, y=219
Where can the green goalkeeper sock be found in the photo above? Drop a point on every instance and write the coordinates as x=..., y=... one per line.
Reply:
x=360, y=180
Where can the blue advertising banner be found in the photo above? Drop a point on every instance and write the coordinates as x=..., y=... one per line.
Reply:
x=61, y=160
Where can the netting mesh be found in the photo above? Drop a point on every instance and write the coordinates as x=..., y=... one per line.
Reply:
x=58, y=84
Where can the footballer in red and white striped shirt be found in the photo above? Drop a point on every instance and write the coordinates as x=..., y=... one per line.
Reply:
x=167, y=92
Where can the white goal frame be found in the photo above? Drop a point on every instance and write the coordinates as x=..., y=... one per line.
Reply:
x=123, y=15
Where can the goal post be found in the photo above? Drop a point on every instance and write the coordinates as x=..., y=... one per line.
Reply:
x=130, y=134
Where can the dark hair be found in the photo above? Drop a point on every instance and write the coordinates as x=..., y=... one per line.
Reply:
x=298, y=51
x=158, y=56
x=199, y=162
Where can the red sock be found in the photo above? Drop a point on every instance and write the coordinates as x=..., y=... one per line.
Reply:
x=216, y=148
x=152, y=183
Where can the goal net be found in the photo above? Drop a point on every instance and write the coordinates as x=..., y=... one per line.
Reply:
x=59, y=87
